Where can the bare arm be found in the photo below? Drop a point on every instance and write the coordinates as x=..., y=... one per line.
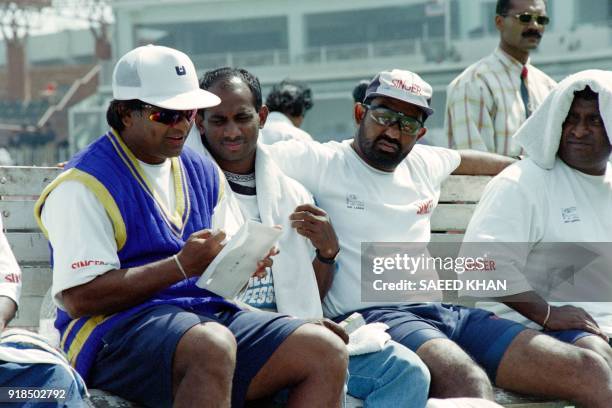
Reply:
x=8, y=308
x=475, y=163
x=120, y=289
x=535, y=308
x=314, y=224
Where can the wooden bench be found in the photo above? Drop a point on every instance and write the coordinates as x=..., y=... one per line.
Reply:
x=20, y=187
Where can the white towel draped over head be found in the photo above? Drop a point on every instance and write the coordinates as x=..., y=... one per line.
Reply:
x=541, y=133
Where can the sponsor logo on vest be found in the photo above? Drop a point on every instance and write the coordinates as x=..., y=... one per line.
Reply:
x=84, y=264
x=425, y=207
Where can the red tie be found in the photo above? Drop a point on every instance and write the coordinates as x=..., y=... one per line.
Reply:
x=524, y=91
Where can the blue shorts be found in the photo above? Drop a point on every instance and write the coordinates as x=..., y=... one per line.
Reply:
x=568, y=336
x=481, y=334
x=136, y=359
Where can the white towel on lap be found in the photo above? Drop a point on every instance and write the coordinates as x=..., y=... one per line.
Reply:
x=368, y=339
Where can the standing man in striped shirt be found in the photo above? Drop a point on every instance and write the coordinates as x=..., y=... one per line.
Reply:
x=488, y=102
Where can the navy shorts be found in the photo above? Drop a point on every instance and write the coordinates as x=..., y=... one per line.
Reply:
x=568, y=336
x=136, y=359
x=481, y=334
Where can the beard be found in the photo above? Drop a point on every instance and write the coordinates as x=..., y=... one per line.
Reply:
x=377, y=157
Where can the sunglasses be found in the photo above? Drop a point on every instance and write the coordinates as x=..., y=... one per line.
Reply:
x=526, y=18
x=170, y=117
x=408, y=125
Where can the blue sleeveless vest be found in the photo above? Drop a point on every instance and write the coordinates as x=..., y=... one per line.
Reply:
x=144, y=231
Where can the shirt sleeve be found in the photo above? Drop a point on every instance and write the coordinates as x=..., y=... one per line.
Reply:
x=469, y=120
x=439, y=162
x=10, y=274
x=82, y=237
x=302, y=161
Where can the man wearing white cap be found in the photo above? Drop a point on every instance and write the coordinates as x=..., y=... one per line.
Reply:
x=129, y=223
x=547, y=220
x=382, y=187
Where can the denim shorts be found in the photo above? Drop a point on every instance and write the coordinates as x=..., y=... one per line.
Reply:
x=136, y=358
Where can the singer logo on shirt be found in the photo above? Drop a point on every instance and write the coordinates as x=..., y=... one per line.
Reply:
x=84, y=264
x=12, y=278
x=425, y=207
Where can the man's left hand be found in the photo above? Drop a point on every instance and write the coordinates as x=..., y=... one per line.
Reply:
x=313, y=223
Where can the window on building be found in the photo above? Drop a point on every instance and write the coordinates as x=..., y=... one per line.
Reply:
x=216, y=37
x=375, y=25
x=597, y=12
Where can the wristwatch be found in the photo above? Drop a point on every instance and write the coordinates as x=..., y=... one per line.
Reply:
x=328, y=261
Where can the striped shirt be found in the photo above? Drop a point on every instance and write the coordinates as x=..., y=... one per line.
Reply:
x=484, y=107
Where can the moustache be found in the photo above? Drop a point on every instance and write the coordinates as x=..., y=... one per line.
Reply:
x=532, y=33
x=233, y=140
x=388, y=140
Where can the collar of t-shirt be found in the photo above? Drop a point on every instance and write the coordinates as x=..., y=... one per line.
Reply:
x=279, y=117
x=243, y=186
x=161, y=180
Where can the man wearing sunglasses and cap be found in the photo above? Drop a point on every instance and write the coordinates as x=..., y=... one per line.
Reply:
x=382, y=187
x=128, y=222
x=490, y=100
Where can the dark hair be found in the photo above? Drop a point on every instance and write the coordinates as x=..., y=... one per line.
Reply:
x=502, y=7
x=360, y=90
x=225, y=74
x=587, y=94
x=290, y=97
x=118, y=109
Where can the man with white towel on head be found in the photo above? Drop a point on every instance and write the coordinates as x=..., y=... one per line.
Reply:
x=547, y=220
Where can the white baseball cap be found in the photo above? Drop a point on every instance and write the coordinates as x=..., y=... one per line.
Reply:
x=161, y=76
x=403, y=85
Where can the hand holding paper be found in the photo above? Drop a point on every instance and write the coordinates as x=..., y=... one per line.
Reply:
x=200, y=250
x=231, y=269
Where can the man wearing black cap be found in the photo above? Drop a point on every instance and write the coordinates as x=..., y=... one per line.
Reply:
x=382, y=187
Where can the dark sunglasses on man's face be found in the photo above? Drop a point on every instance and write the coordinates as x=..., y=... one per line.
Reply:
x=170, y=117
x=386, y=117
x=525, y=18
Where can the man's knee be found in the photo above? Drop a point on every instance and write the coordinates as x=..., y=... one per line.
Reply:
x=324, y=350
x=208, y=345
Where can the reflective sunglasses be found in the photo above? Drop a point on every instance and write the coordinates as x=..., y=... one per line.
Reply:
x=526, y=18
x=408, y=125
x=169, y=117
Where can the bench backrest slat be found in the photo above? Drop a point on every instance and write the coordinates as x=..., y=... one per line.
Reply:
x=20, y=186
x=24, y=181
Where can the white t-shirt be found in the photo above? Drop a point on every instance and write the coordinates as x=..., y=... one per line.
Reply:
x=527, y=204
x=366, y=204
x=259, y=292
x=279, y=127
x=10, y=274
x=82, y=234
